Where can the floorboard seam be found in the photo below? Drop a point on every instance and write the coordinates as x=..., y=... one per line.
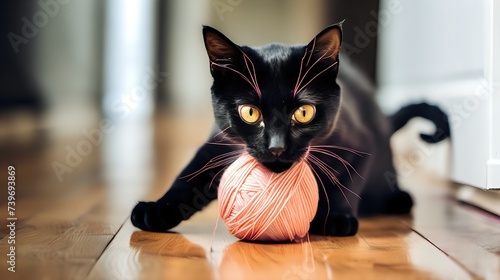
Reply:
x=473, y=275
x=107, y=245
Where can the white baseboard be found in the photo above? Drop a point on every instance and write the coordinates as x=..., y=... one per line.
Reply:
x=487, y=200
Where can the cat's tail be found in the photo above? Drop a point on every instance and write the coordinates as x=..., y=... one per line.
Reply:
x=424, y=110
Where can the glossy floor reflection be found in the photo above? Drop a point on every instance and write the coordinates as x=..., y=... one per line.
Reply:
x=385, y=248
x=79, y=228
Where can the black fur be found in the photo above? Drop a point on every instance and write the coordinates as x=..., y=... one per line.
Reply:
x=347, y=118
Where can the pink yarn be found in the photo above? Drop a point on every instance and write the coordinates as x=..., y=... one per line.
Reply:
x=257, y=204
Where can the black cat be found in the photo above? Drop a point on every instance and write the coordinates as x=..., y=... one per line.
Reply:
x=283, y=104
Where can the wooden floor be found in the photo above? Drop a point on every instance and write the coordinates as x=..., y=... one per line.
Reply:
x=79, y=228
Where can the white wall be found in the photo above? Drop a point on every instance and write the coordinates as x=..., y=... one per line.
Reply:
x=441, y=52
x=426, y=44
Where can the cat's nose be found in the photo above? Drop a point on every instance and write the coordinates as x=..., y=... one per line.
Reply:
x=277, y=144
x=276, y=151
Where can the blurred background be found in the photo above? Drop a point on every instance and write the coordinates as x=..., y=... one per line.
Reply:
x=109, y=92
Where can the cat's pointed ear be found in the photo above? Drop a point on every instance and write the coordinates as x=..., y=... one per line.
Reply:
x=219, y=48
x=327, y=43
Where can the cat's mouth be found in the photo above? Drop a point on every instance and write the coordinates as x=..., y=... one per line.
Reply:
x=281, y=163
x=278, y=166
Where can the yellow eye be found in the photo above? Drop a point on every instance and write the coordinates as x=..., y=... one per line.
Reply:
x=249, y=113
x=304, y=114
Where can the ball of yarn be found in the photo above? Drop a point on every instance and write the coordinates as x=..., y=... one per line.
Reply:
x=258, y=204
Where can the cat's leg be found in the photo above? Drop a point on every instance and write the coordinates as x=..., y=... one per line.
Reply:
x=382, y=201
x=337, y=223
x=335, y=217
x=394, y=200
x=382, y=193
x=188, y=194
x=398, y=202
x=337, y=209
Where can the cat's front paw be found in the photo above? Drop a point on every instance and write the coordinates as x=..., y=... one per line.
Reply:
x=153, y=216
x=336, y=225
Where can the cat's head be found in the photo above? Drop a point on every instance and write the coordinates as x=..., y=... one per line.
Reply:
x=276, y=99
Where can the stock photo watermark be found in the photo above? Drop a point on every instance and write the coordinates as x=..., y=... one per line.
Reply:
x=200, y=200
x=11, y=218
x=364, y=36
x=75, y=155
x=407, y=165
x=461, y=111
x=223, y=6
x=47, y=9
